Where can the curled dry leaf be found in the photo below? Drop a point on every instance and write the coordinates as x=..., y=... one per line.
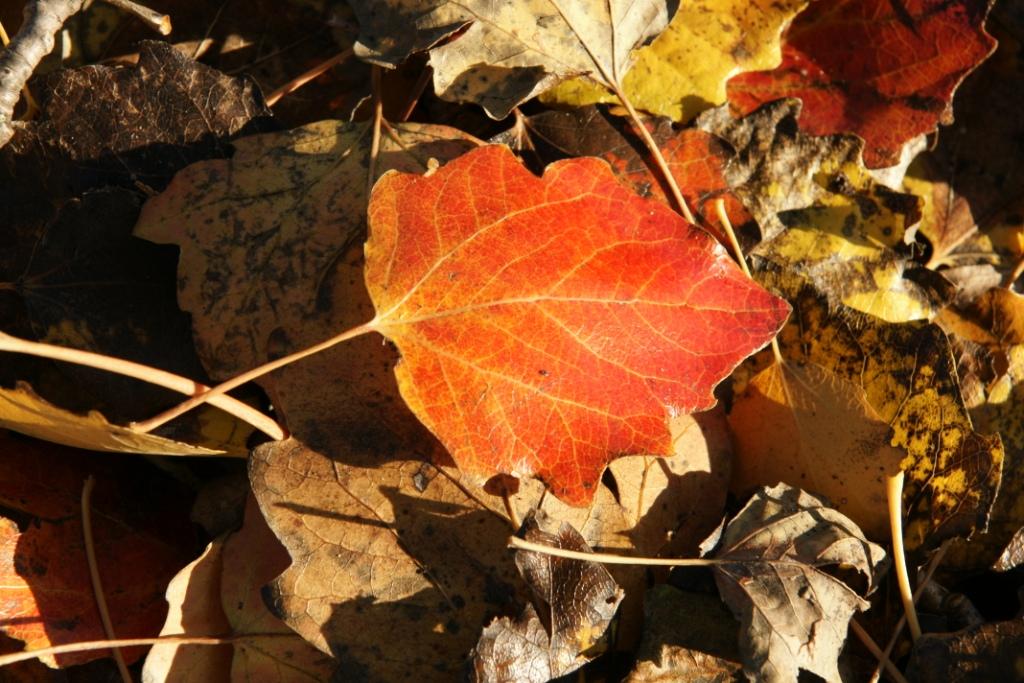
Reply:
x=794, y=614
x=510, y=51
x=548, y=325
x=649, y=507
x=141, y=534
x=22, y=410
x=805, y=426
x=218, y=594
x=684, y=70
x=884, y=71
x=565, y=626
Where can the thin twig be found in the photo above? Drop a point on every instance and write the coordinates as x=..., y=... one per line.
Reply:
x=172, y=639
x=378, y=116
x=211, y=393
x=417, y=92
x=32, y=107
x=43, y=19
x=301, y=80
x=143, y=373
x=894, y=491
x=607, y=558
x=932, y=566
x=161, y=23
x=873, y=648
x=94, y=576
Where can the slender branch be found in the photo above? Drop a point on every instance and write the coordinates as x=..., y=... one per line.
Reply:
x=659, y=158
x=143, y=373
x=302, y=79
x=607, y=558
x=94, y=576
x=211, y=393
x=416, y=93
x=932, y=566
x=873, y=648
x=161, y=23
x=32, y=107
x=378, y=116
x=42, y=20
x=173, y=639
x=894, y=491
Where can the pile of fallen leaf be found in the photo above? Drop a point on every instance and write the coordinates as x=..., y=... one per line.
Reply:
x=527, y=333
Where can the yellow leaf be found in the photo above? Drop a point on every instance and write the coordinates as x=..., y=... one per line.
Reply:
x=683, y=72
x=805, y=426
x=22, y=410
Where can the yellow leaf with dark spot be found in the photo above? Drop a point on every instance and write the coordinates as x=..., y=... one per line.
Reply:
x=909, y=377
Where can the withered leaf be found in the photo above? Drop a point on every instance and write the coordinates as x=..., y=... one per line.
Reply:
x=24, y=411
x=824, y=218
x=794, y=614
x=71, y=184
x=684, y=70
x=271, y=262
x=510, y=51
x=909, y=377
x=574, y=604
x=141, y=531
x=412, y=555
x=687, y=637
x=220, y=593
x=989, y=652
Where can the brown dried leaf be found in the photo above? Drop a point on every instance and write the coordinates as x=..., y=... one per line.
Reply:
x=411, y=554
x=989, y=652
x=687, y=637
x=220, y=593
x=565, y=626
x=794, y=614
x=71, y=184
x=272, y=262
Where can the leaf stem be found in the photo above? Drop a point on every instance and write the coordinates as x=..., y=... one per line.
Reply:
x=868, y=642
x=894, y=492
x=143, y=373
x=378, y=116
x=210, y=394
x=723, y=218
x=607, y=558
x=175, y=638
x=659, y=158
x=94, y=576
x=301, y=80
x=932, y=566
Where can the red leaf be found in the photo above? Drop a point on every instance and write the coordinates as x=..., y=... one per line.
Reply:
x=141, y=531
x=881, y=69
x=548, y=325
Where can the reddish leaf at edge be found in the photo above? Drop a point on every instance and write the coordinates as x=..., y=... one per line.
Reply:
x=548, y=325
x=881, y=69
